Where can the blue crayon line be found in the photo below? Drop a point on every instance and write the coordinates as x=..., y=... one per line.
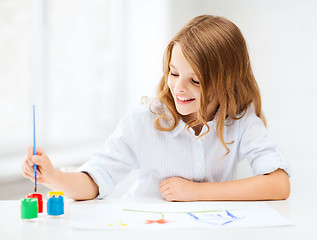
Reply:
x=230, y=215
x=192, y=215
x=230, y=221
x=34, y=146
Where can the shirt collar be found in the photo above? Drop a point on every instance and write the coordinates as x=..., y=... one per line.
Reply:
x=182, y=126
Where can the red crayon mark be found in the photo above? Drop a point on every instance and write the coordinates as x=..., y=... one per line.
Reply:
x=160, y=221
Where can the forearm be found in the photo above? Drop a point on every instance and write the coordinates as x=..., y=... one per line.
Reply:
x=274, y=186
x=75, y=185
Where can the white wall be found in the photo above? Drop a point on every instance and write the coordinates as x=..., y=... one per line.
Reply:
x=281, y=36
x=146, y=38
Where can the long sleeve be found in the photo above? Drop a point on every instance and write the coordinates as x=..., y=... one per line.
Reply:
x=116, y=159
x=255, y=146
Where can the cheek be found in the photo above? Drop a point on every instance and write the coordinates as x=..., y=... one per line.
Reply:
x=197, y=94
x=170, y=83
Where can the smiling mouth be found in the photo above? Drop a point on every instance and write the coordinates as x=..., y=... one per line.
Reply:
x=183, y=100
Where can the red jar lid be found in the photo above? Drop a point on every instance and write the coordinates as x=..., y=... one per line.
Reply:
x=39, y=197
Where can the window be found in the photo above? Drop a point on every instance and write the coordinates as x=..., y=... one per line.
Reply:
x=62, y=56
x=15, y=74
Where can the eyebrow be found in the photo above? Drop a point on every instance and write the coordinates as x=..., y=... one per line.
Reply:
x=172, y=66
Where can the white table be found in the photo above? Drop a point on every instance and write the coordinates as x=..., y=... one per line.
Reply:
x=301, y=209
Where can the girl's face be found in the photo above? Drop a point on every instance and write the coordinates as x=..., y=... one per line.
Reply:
x=184, y=84
x=185, y=88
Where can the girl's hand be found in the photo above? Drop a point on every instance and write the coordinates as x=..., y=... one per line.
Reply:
x=45, y=169
x=178, y=189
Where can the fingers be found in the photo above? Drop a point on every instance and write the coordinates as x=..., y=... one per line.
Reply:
x=163, y=183
x=171, y=198
x=41, y=159
x=165, y=190
x=27, y=172
x=40, y=151
x=163, y=187
x=168, y=183
x=45, y=168
x=168, y=195
x=28, y=169
x=176, y=189
x=39, y=179
x=27, y=175
x=38, y=160
x=28, y=163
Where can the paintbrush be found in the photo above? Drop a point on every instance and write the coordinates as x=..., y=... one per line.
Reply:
x=34, y=150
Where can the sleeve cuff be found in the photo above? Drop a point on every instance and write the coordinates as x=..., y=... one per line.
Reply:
x=266, y=166
x=101, y=178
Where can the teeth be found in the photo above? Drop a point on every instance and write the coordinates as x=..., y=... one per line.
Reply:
x=184, y=99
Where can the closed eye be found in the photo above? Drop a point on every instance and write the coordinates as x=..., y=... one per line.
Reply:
x=174, y=74
x=196, y=82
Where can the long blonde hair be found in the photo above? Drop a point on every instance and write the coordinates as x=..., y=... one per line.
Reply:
x=217, y=52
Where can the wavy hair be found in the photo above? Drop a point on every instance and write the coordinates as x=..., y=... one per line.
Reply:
x=217, y=52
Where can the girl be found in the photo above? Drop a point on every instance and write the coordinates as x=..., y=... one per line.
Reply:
x=187, y=143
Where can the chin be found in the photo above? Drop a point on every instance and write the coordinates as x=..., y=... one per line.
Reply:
x=184, y=112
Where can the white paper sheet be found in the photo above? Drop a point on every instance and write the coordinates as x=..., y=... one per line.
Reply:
x=179, y=215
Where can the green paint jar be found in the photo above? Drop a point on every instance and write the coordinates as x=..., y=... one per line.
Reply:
x=29, y=208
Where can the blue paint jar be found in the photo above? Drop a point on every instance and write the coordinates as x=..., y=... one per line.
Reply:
x=55, y=206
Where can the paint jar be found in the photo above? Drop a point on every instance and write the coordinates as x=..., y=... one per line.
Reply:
x=29, y=209
x=39, y=197
x=55, y=193
x=55, y=206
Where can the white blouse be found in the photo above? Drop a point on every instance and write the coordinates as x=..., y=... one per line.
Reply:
x=158, y=155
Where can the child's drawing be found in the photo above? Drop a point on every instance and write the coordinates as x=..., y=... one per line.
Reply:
x=215, y=217
x=220, y=218
x=174, y=215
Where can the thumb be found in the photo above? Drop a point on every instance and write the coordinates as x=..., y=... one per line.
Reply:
x=36, y=159
x=42, y=160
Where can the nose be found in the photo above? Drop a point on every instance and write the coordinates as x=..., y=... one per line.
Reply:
x=180, y=85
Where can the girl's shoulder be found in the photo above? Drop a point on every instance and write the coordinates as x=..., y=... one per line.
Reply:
x=140, y=113
x=146, y=114
x=243, y=119
x=249, y=117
